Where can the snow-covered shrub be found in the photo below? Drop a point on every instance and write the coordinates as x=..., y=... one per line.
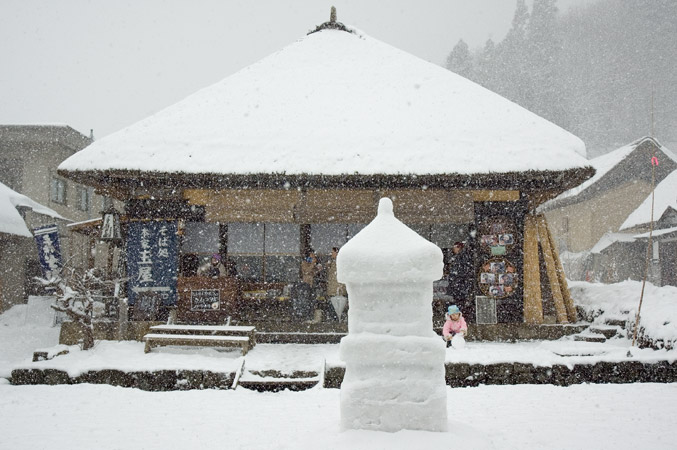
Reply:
x=75, y=290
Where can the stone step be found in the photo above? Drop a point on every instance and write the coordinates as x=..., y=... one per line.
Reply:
x=615, y=322
x=607, y=331
x=589, y=337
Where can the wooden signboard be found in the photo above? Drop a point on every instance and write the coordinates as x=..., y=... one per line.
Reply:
x=205, y=299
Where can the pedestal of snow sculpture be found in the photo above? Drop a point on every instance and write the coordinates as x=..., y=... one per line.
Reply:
x=394, y=375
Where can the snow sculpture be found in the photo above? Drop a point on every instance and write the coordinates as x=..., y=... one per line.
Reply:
x=394, y=361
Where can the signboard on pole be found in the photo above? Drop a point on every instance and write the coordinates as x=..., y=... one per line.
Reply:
x=152, y=262
x=49, y=251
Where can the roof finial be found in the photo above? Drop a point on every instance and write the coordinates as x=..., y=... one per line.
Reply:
x=333, y=24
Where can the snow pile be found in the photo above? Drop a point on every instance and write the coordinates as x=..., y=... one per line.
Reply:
x=11, y=221
x=337, y=103
x=24, y=329
x=394, y=375
x=576, y=264
x=658, y=319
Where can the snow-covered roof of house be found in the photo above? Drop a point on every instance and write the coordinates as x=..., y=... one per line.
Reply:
x=336, y=103
x=665, y=197
x=611, y=238
x=11, y=221
x=603, y=165
x=656, y=233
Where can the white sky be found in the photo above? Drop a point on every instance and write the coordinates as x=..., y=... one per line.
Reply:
x=103, y=65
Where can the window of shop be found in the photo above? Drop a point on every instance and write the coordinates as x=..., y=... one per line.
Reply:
x=267, y=252
x=324, y=236
x=444, y=234
x=200, y=240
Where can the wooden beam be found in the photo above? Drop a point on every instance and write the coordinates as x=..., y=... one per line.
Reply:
x=246, y=205
x=566, y=295
x=533, y=303
x=551, y=270
x=495, y=196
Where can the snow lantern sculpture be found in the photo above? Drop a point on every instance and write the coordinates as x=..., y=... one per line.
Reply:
x=394, y=375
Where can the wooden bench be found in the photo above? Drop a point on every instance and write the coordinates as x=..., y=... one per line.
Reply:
x=202, y=336
x=159, y=339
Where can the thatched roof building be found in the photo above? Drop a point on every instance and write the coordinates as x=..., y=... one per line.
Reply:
x=309, y=139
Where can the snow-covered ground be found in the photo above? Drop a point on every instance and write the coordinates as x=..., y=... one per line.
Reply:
x=637, y=416
x=621, y=300
x=23, y=329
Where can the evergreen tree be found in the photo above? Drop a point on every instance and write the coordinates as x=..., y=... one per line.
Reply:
x=591, y=71
x=544, y=49
x=460, y=60
x=485, y=70
x=510, y=58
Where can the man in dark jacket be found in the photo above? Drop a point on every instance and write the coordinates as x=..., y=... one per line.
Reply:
x=461, y=273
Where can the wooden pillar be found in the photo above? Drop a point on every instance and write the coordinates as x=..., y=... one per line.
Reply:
x=551, y=270
x=566, y=295
x=533, y=304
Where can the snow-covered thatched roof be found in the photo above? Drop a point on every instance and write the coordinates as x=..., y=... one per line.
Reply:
x=11, y=221
x=337, y=103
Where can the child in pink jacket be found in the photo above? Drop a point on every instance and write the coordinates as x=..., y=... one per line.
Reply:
x=454, y=325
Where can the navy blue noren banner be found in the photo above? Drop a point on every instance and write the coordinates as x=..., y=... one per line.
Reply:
x=49, y=250
x=152, y=261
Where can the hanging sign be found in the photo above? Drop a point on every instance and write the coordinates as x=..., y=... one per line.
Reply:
x=49, y=251
x=152, y=261
x=110, y=226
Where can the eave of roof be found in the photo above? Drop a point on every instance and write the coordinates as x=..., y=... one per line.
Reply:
x=126, y=184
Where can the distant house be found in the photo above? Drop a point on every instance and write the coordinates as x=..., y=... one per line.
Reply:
x=597, y=223
x=18, y=252
x=663, y=233
x=29, y=156
x=294, y=152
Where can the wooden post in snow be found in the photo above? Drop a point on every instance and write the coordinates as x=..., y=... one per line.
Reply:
x=551, y=270
x=564, y=286
x=533, y=303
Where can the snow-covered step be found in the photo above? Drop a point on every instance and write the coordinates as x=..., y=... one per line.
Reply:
x=589, y=337
x=615, y=322
x=609, y=331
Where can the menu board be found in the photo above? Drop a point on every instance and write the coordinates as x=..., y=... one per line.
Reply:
x=497, y=277
x=497, y=236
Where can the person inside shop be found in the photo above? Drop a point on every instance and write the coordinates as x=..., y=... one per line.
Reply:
x=312, y=273
x=231, y=267
x=334, y=288
x=460, y=278
x=214, y=268
x=454, y=325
